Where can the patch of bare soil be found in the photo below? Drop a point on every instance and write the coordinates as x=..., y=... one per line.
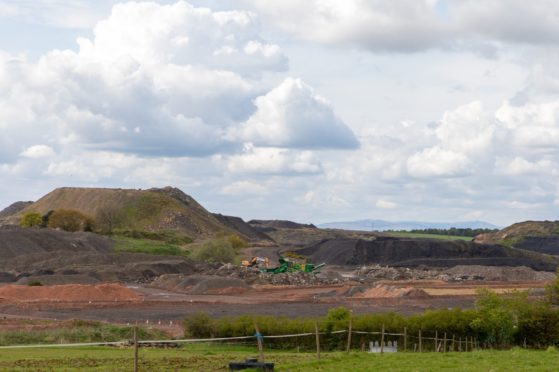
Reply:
x=68, y=293
x=391, y=291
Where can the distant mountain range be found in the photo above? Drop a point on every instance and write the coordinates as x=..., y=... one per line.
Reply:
x=381, y=225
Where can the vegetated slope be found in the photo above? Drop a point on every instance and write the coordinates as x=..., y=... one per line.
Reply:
x=538, y=236
x=150, y=210
x=59, y=257
x=428, y=252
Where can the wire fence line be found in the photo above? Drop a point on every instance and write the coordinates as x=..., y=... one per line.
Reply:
x=235, y=338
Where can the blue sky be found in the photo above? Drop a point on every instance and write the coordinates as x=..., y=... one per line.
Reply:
x=435, y=110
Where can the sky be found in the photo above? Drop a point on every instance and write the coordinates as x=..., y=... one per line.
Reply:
x=314, y=111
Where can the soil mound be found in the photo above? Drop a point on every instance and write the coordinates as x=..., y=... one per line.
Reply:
x=280, y=224
x=14, y=209
x=237, y=224
x=151, y=210
x=16, y=241
x=201, y=284
x=493, y=273
x=429, y=252
x=390, y=291
x=68, y=293
x=538, y=236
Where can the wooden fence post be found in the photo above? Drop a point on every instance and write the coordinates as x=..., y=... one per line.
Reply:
x=405, y=338
x=382, y=340
x=460, y=344
x=348, y=337
x=135, y=349
x=436, y=341
x=444, y=343
x=453, y=348
x=420, y=348
x=317, y=340
x=259, y=341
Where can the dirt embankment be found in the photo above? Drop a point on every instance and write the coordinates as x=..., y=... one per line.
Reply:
x=428, y=252
x=16, y=241
x=68, y=293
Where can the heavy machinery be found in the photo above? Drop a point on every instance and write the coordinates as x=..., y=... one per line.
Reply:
x=260, y=262
x=290, y=265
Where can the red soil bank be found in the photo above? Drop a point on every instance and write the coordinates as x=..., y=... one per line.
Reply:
x=68, y=293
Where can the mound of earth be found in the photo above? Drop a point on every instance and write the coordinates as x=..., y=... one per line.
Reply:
x=16, y=241
x=150, y=210
x=280, y=224
x=429, y=252
x=14, y=209
x=494, y=273
x=201, y=284
x=537, y=236
x=390, y=291
x=237, y=224
x=107, y=267
x=68, y=293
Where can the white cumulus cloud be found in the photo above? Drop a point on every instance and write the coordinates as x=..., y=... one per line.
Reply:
x=292, y=115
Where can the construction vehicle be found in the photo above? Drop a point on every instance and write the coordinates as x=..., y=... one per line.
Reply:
x=260, y=262
x=290, y=265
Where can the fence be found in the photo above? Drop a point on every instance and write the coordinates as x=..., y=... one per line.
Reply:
x=380, y=341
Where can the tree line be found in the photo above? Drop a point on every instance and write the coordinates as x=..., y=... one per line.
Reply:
x=453, y=231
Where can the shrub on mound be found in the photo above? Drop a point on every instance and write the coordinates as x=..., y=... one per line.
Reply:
x=70, y=220
x=31, y=219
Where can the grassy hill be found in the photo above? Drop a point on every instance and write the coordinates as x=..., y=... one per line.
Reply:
x=128, y=209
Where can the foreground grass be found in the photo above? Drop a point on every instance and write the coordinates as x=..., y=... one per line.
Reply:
x=404, y=234
x=73, y=331
x=212, y=358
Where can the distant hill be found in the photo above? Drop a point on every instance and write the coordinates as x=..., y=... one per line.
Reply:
x=155, y=209
x=382, y=225
x=14, y=209
x=538, y=236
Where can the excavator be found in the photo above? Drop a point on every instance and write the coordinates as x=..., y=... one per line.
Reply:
x=260, y=262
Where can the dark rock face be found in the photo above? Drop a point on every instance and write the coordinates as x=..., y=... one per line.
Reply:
x=417, y=252
x=544, y=244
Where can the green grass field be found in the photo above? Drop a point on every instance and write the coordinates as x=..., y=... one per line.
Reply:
x=215, y=358
x=127, y=244
x=404, y=234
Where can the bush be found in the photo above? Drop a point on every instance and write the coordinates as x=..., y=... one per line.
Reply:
x=198, y=325
x=217, y=250
x=31, y=219
x=237, y=242
x=34, y=283
x=70, y=220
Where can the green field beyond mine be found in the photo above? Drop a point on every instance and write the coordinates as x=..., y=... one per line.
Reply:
x=215, y=358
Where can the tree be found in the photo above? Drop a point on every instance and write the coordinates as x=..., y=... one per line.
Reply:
x=31, y=219
x=108, y=218
x=70, y=220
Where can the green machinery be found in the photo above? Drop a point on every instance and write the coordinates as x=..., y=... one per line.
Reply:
x=288, y=265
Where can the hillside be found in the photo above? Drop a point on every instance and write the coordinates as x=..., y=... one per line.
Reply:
x=147, y=210
x=428, y=252
x=538, y=236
